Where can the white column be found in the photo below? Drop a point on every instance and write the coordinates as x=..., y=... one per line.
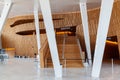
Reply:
x=36, y=17
x=104, y=21
x=84, y=16
x=47, y=16
x=4, y=14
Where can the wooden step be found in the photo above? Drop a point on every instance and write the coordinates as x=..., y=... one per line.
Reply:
x=49, y=65
x=74, y=64
x=71, y=52
x=72, y=56
x=68, y=56
x=68, y=48
x=69, y=64
x=68, y=39
x=71, y=40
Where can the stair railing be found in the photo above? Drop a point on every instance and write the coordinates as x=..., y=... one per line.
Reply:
x=63, y=48
x=82, y=54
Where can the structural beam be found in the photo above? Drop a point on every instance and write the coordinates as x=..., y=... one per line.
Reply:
x=36, y=17
x=104, y=21
x=47, y=16
x=83, y=9
x=4, y=14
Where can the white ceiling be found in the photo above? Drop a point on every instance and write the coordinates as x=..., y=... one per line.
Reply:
x=25, y=7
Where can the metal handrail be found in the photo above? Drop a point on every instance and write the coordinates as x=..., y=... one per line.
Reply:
x=63, y=48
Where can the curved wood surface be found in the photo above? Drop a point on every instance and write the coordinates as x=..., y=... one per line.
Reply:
x=24, y=21
x=43, y=31
x=23, y=44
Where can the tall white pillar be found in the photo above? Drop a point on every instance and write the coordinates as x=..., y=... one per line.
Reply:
x=47, y=16
x=84, y=16
x=36, y=17
x=4, y=14
x=103, y=26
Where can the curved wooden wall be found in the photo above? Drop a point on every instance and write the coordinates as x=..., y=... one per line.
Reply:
x=24, y=44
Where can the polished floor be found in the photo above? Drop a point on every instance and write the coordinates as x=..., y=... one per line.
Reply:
x=28, y=69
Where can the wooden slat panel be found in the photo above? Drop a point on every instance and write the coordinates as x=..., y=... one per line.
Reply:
x=23, y=44
x=43, y=52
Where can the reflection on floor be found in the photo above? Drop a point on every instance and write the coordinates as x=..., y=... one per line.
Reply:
x=27, y=69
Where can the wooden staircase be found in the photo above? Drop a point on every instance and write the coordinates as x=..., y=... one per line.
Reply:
x=70, y=58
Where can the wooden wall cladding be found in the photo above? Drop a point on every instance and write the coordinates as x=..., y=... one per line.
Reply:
x=44, y=51
x=23, y=44
x=24, y=21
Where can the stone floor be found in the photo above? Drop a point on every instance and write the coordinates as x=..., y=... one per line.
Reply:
x=27, y=69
